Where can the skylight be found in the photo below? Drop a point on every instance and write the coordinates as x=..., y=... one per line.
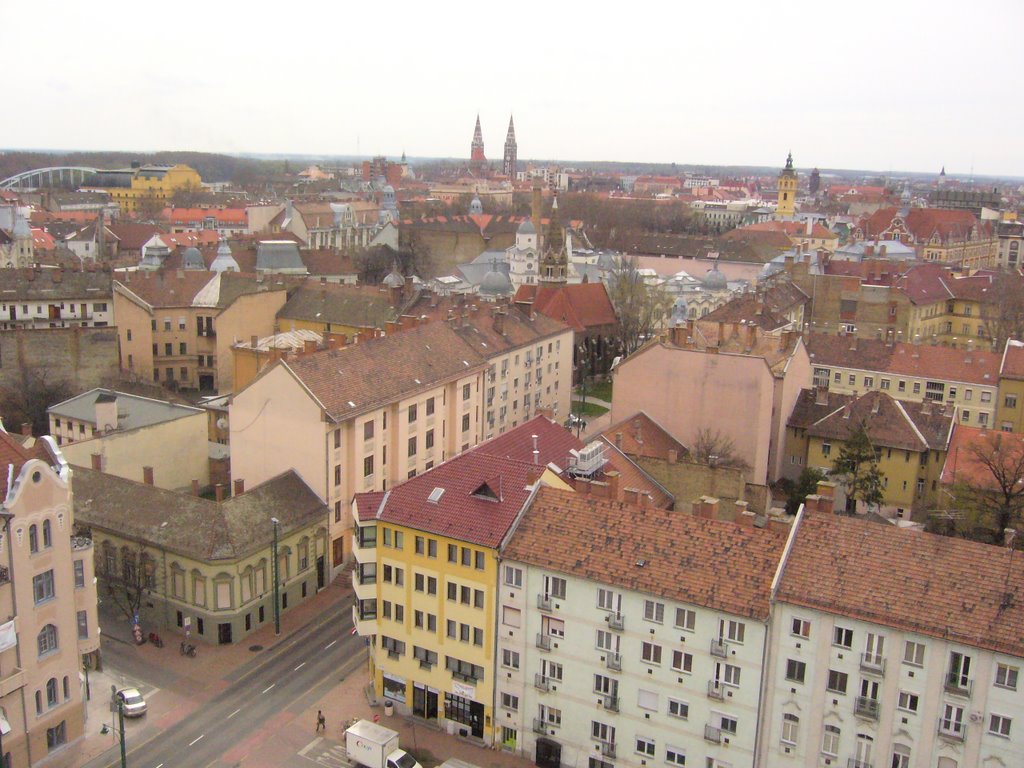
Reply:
x=435, y=495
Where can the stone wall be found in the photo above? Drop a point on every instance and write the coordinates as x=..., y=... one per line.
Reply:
x=82, y=357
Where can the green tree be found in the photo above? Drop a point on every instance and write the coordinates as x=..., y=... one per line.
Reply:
x=804, y=486
x=857, y=466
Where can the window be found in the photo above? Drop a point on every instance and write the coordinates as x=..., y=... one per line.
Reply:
x=801, y=628
x=682, y=662
x=412, y=413
x=952, y=720
x=999, y=725
x=986, y=397
x=47, y=533
x=428, y=440
x=602, y=732
x=675, y=756
x=42, y=587
x=509, y=701
x=608, y=600
x=510, y=659
x=368, y=466
x=480, y=562
x=46, y=640
x=465, y=422
x=837, y=681
x=650, y=653
x=795, y=670
x=686, y=619
x=732, y=631
x=826, y=449
x=478, y=598
x=412, y=445
x=908, y=701
x=368, y=430
x=728, y=724
x=33, y=539
x=513, y=576
x=790, y=727
x=1010, y=401
x=467, y=556
x=453, y=553
x=421, y=546
x=510, y=616
x=900, y=756
x=79, y=574
x=645, y=746
x=419, y=581
x=56, y=736
x=830, y=741
x=1006, y=676
x=913, y=653
x=677, y=708
x=842, y=637
x=869, y=382
x=654, y=611
x=731, y=675
x=466, y=390
x=885, y=383
x=430, y=406
x=83, y=625
x=432, y=548
x=902, y=386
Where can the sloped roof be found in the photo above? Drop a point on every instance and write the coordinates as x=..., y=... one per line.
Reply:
x=643, y=436
x=196, y=527
x=1012, y=365
x=351, y=305
x=962, y=462
x=942, y=587
x=747, y=308
x=716, y=564
x=193, y=288
x=890, y=423
x=132, y=236
x=51, y=284
x=133, y=411
x=14, y=454
x=581, y=307
x=363, y=376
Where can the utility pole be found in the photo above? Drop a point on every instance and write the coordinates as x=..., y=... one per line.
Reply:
x=119, y=729
x=277, y=583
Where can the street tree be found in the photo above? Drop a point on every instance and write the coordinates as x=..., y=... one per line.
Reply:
x=641, y=308
x=127, y=586
x=1004, y=310
x=857, y=467
x=805, y=485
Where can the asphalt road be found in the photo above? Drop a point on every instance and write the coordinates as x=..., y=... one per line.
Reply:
x=266, y=692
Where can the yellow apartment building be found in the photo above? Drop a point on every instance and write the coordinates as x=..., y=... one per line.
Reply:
x=1010, y=413
x=134, y=188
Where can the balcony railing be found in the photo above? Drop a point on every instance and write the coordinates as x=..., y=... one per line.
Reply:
x=715, y=690
x=958, y=684
x=854, y=762
x=611, y=703
x=543, y=602
x=614, y=661
x=543, y=641
x=393, y=654
x=872, y=662
x=608, y=749
x=615, y=621
x=713, y=734
x=538, y=726
x=719, y=648
x=866, y=707
x=541, y=683
x=464, y=677
x=951, y=729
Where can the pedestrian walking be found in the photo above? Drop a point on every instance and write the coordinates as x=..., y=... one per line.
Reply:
x=321, y=721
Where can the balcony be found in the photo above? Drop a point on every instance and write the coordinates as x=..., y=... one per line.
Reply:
x=719, y=648
x=712, y=734
x=543, y=641
x=854, y=762
x=959, y=685
x=608, y=749
x=12, y=682
x=541, y=683
x=611, y=703
x=365, y=621
x=615, y=621
x=544, y=603
x=538, y=726
x=464, y=677
x=614, y=661
x=5, y=574
x=951, y=729
x=873, y=663
x=715, y=690
x=393, y=654
x=866, y=707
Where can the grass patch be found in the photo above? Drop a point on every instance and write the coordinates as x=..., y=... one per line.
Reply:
x=602, y=390
x=588, y=409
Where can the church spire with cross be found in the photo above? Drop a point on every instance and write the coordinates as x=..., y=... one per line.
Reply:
x=477, y=160
x=511, y=153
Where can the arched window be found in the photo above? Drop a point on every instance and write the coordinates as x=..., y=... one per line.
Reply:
x=33, y=539
x=39, y=702
x=47, y=640
x=47, y=535
x=51, y=692
x=67, y=688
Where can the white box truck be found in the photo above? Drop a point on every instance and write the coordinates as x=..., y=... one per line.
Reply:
x=374, y=746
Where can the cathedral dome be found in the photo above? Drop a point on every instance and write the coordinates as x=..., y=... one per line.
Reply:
x=496, y=282
x=224, y=262
x=191, y=258
x=526, y=228
x=394, y=279
x=715, y=280
x=476, y=207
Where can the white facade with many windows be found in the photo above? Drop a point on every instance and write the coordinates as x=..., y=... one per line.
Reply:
x=616, y=677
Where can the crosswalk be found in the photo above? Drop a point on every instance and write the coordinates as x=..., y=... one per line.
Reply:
x=326, y=752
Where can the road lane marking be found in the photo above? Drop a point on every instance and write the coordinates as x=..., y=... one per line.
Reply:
x=330, y=644
x=269, y=687
x=193, y=742
x=229, y=717
x=160, y=766
x=299, y=667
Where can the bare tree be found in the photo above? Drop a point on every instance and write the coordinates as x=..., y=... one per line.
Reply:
x=27, y=402
x=1004, y=313
x=641, y=308
x=717, y=450
x=129, y=575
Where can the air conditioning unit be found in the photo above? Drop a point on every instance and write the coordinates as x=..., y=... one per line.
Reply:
x=587, y=461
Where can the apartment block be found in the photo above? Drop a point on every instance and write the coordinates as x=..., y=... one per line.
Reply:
x=55, y=298
x=892, y=647
x=1010, y=399
x=630, y=636
x=48, y=593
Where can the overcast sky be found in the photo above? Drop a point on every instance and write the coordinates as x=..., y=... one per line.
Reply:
x=897, y=85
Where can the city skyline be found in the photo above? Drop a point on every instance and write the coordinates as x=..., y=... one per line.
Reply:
x=878, y=91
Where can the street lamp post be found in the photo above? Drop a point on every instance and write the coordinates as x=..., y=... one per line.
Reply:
x=119, y=729
x=277, y=583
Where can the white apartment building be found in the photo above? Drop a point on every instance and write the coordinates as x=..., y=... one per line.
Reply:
x=893, y=648
x=631, y=636
x=55, y=298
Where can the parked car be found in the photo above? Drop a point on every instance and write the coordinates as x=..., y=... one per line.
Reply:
x=134, y=704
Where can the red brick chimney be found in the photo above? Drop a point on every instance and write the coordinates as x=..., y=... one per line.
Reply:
x=499, y=323
x=26, y=429
x=147, y=475
x=612, y=479
x=195, y=487
x=97, y=462
x=219, y=491
x=239, y=487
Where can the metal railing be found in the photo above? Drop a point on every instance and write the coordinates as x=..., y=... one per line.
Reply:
x=958, y=685
x=951, y=729
x=715, y=690
x=608, y=749
x=614, y=661
x=541, y=683
x=872, y=662
x=865, y=706
x=713, y=734
x=543, y=641
x=611, y=703
x=543, y=602
x=615, y=621
x=539, y=726
x=719, y=647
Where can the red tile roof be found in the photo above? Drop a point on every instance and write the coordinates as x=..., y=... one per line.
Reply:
x=553, y=443
x=968, y=443
x=939, y=586
x=1012, y=365
x=582, y=306
x=793, y=229
x=192, y=216
x=720, y=565
x=12, y=453
x=643, y=436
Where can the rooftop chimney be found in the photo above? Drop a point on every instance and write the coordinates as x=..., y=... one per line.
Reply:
x=219, y=491
x=239, y=487
x=147, y=475
x=26, y=429
x=195, y=487
x=97, y=461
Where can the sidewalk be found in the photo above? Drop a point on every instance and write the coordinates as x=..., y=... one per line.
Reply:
x=193, y=681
